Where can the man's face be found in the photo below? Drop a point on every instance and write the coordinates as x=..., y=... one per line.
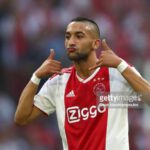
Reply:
x=79, y=40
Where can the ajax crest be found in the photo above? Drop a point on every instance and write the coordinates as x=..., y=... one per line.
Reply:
x=99, y=89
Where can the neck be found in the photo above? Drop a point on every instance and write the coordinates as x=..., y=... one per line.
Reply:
x=82, y=66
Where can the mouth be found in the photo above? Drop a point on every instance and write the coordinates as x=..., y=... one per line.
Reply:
x=71, y=50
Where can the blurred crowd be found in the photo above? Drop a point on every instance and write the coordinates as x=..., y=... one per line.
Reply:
x=29, y=28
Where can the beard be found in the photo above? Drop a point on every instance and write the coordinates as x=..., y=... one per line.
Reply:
x=78, y=56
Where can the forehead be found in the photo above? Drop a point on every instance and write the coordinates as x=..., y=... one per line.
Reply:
x=79, y=26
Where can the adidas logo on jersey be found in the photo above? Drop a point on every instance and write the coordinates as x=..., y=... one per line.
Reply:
x=70, y=94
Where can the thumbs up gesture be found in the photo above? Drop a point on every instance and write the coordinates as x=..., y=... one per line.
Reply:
x=107, y=58
x=49, y=66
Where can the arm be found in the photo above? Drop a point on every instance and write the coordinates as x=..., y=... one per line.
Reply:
x=138, y=83
x=110, y=59
x=26, y=111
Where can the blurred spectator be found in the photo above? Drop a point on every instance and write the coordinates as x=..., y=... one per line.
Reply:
x=28, y=29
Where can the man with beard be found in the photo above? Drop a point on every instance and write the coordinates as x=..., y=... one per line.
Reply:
x=84, y=121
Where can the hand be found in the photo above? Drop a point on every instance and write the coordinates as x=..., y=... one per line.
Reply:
x=49, y=66
x=107, y=58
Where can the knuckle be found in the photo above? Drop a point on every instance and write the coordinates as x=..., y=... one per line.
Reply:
x=48, y=62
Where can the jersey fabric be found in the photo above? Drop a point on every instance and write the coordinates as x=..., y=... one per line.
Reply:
x=84, y=122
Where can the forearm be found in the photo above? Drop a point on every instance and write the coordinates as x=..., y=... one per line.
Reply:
x=109, y=59
x=138, y=83
x=26, y=111
x=25, y=105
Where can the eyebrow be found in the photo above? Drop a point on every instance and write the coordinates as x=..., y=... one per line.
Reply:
x=76, y=32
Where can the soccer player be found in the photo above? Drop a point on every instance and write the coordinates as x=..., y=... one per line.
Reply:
x=84, y=121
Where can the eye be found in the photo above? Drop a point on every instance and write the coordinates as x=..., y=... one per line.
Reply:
x=67, y=36
x=79, y=36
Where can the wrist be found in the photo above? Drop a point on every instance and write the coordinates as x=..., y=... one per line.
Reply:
x=34, y=79
x=122, y=66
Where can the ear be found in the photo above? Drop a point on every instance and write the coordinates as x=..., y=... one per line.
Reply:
x=96, y=44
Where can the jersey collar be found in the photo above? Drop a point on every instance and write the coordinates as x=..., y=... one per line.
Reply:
x=89, y=78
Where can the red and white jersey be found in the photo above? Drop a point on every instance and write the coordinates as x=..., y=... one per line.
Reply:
x=83, y=123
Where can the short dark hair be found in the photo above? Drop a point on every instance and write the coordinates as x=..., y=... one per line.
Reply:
x=83, y=19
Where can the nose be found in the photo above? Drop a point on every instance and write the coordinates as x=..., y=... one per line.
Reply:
x=71, y=41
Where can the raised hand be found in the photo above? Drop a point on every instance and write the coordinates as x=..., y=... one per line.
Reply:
x=107, y=58
x=49, y=66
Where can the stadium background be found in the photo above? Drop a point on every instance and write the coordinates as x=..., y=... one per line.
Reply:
x=29, y=28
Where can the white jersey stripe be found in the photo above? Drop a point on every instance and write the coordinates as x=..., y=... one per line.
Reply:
x=117, y=124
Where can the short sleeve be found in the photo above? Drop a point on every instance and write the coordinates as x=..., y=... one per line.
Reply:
x=46, y=97
x=120, y=86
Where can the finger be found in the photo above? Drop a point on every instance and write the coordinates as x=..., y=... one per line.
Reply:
x=57, y=72
x=95, y=66
x=53, y=68
x=104, y=45
x=53, y=63
x=99, y=61
x=56, y=62
x=52, y=54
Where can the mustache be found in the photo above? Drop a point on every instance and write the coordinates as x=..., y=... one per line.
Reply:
x=74, y=47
